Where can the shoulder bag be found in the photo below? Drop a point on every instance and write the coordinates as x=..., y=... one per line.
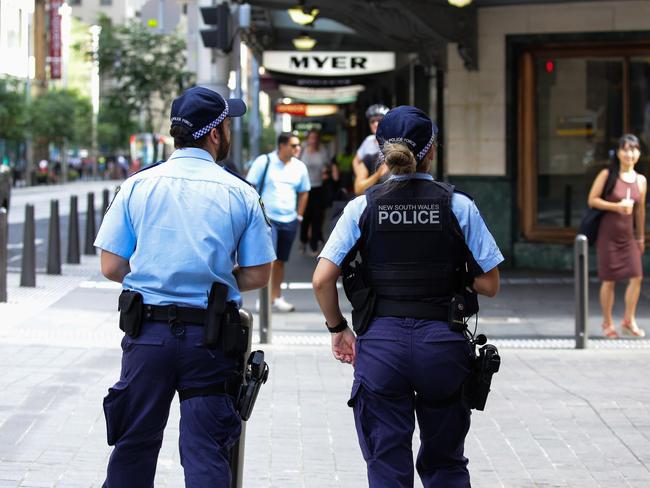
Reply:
x=263, y=180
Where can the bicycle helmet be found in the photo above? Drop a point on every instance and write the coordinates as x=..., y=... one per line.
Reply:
x=376, y=110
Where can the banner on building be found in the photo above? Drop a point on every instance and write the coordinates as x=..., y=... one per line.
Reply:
x=55, y=39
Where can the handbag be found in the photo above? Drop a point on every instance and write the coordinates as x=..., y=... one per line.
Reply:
x=590, y=223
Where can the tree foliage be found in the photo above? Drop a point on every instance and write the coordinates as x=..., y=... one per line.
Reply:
x=114, y=125
x=146, y=69
x=13, y=110
x=59, y=116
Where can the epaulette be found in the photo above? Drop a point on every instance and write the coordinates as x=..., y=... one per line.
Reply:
x=237, y=176
x=148, y=167
x=463, y=193
x=447, y=186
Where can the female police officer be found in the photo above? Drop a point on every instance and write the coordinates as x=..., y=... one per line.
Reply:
x=170, y=233
x=414, y=236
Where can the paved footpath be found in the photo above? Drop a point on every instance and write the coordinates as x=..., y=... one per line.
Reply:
x=557, y=417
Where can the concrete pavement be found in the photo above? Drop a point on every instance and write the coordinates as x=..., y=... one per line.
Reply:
x=557, y=417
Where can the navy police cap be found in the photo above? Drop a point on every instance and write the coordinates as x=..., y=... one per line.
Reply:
x=409, y=126
x=200, y=109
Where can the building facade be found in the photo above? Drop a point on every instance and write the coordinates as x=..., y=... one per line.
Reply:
x=556, y=86
x=89, y=11
x=14, y=37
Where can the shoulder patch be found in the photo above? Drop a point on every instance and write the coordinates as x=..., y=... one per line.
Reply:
x=117, y=190
x=148, y=167
x=228, y=170
x=266, y=217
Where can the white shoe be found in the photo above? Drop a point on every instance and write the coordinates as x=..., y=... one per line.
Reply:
x=280, y=305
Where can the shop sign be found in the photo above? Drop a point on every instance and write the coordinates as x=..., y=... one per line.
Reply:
x=329, y=63
x=340, y=94
x=306, y=110
x=55, y=39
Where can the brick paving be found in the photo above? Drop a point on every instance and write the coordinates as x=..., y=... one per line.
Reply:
x=557, y=417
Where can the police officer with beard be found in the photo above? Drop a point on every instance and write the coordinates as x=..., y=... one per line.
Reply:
x=174, y=232
x=416, y=237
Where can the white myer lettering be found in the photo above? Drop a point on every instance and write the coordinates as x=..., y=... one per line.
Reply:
x=333, y=62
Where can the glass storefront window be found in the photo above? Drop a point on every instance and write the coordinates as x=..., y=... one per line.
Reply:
x=579, y=119
x=574, y=102
x=640, y=112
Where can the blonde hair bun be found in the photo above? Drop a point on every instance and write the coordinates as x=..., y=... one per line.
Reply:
x=399, y=158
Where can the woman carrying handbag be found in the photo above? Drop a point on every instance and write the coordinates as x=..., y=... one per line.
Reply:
x=620, y=192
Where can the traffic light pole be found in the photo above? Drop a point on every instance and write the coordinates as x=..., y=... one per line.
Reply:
x=242, y=22
x=237, y=145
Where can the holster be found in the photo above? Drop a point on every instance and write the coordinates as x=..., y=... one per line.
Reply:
x=255, y=375
x=223, y=326
x=361, y=296
x=130, y=305
x=477, y=385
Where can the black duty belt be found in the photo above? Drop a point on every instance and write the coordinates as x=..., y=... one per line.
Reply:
x=172, y=313
x=417, y=310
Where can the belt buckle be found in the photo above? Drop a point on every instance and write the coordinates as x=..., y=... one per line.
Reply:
x=175, y=324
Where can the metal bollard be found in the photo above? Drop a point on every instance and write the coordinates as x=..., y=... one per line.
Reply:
x=89, y=248
x=28, y=265
x=73, y=233
x=105, y=202
x=237, y=451
x=265, y=315
x=3, y=254
x=581, y=284
x=54, y=240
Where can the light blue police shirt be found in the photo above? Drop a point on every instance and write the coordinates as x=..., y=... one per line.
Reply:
x=183, y=225
x=480, y=242
x=282, y=184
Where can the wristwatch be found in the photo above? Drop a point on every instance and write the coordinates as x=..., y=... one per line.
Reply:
x=338, y=328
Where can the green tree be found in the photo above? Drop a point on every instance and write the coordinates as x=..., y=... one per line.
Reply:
x=146, y=69
x=114, y=125
x=61, y=117
x=13, y=110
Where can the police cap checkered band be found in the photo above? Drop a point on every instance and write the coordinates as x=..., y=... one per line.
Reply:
x=200, y=133
x=201, y=109
x=408, y=125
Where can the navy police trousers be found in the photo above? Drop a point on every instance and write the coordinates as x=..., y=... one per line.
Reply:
x=155, y=365
x=406, y=368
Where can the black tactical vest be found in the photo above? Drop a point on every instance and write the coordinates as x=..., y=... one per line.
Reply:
x=411, y=244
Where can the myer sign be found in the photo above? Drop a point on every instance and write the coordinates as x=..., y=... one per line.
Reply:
x=328, y=63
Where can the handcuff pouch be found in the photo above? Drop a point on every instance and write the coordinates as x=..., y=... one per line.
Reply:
x=130, y=305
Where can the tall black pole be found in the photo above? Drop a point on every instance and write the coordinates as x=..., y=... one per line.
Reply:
x=3, y=254
x=54, y=240
x=105, y=202
x=73, y=233
x=28, y=268
x=89, y=248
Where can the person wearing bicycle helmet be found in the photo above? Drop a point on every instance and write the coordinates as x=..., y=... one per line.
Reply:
x=368, y=170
